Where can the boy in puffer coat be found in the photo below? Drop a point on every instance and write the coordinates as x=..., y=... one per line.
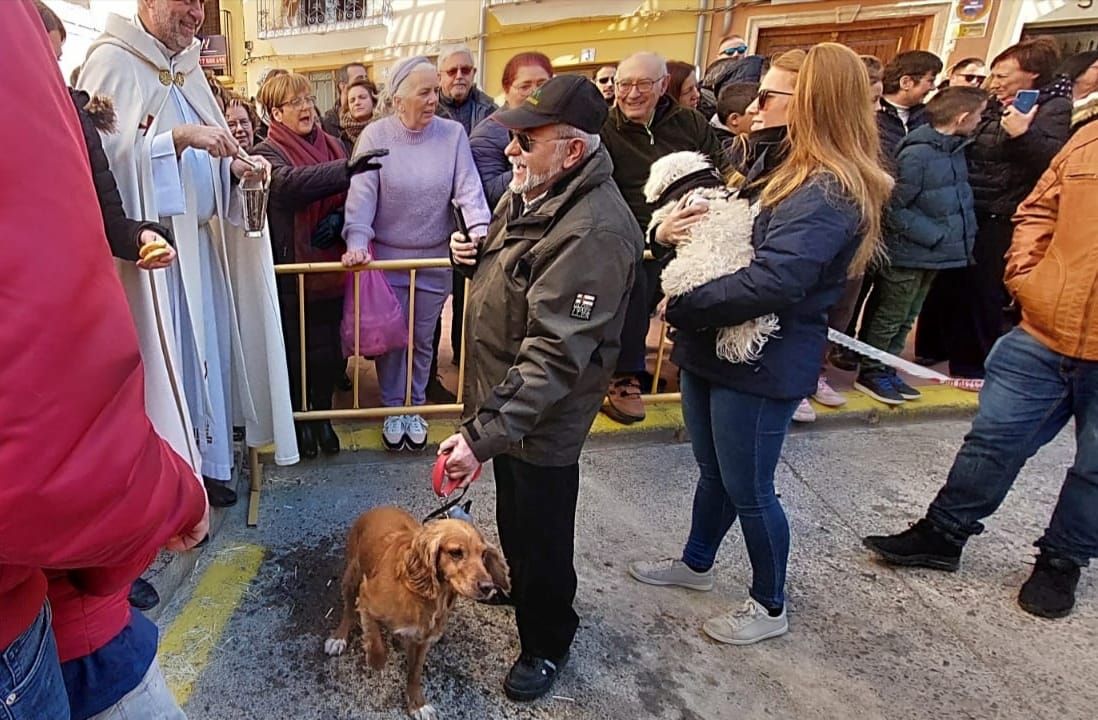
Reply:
x=933, y=227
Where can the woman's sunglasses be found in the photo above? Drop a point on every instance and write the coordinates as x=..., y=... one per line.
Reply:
x=765, y=95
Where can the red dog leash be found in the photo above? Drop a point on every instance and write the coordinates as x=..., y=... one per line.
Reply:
x=445, y=487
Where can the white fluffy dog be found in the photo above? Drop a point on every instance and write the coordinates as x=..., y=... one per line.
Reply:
x=719, y=244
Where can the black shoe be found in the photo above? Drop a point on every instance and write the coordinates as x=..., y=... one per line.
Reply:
x=220, y=494
x=843, y=359
x=906, y=391
x=878, y=385
x=306, y=440
x=143, y=595
x=1050, y=590
x=437, y=393
x=921, y=545
x=531, y=677
x=238, y=434
x=326, y=437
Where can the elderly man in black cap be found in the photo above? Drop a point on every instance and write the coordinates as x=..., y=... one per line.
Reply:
x=547, y=300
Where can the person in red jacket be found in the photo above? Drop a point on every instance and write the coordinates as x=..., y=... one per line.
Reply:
x=86, y=485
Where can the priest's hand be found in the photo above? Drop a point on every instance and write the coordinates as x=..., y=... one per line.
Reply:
x=217, y=141
x=243, y=171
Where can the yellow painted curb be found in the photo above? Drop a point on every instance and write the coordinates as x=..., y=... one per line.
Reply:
x=187, y=645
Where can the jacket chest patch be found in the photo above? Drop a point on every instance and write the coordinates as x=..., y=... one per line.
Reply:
x=582, y=306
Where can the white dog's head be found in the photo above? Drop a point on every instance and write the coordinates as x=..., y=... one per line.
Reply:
x=671, y=168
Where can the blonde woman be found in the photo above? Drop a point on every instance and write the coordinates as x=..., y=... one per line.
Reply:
x=819, y=221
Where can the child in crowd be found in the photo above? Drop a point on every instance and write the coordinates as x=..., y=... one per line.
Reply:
x=933, y=227
x=732, y=104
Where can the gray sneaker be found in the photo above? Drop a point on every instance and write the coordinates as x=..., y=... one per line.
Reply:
x=671, y=572
x=746, y=625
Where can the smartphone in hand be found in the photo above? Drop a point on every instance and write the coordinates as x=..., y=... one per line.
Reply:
x=1025, y=100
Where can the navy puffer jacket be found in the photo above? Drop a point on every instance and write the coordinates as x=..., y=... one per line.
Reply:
x=931, y=217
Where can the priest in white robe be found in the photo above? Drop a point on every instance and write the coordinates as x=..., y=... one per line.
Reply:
x=209, y=329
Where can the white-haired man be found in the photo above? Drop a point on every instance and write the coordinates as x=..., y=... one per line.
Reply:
x=210, y=331
x=546, y=304
x=459, y=97
x=643, y=126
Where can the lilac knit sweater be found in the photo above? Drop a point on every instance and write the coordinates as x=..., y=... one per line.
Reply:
x=403, y=210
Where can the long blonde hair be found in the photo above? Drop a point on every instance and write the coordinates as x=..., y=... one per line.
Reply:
x=832, y=130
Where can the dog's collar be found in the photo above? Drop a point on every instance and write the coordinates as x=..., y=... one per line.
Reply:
x=704, y=178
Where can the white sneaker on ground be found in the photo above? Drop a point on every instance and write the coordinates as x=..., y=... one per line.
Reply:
x=827, y=395
x=415, y=432
x=804, y=413
x=392, y=433
x=671, y=572
x=746, y=625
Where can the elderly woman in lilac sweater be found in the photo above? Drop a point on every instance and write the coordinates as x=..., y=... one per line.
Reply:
x=403, y=212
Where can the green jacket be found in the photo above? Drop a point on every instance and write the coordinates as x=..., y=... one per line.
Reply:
x=634, y=147
x=546, y=303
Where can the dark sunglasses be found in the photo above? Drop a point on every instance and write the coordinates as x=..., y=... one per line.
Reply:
x=526, y=143
x=975, y=79
x=463, y=69
x=764, y=95
x=737, y=50
x=605, y=80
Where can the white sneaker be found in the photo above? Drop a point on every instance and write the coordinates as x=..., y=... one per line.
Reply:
x=747, y=625
x=827, y=395
x=392, y=433
x=415, y=432
x=671, y=572
x=804, y=413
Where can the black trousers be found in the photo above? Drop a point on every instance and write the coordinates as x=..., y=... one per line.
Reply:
x=643, y=298
x=323, y=352
x=536, y=516
x=966, y=310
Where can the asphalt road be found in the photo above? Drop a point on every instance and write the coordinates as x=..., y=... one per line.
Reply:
x=866, y=641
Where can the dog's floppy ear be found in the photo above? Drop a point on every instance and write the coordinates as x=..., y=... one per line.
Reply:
x=421, y=562
x=497, y=568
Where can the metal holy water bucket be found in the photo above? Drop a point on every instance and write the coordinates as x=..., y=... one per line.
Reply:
x=255, y=193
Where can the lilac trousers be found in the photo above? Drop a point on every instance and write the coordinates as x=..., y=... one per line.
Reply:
x=392, y=367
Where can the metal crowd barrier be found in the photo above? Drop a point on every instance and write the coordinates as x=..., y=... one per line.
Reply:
x=356, y=411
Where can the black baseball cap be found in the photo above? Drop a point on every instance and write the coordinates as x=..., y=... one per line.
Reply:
x=566, y=99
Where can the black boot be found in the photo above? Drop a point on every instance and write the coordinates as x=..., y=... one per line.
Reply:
x=219, y=494
x=531, y=677
x=326, y=437
x=1050, y=590
x=143, y=595
x=306, y=440
x=921, y=545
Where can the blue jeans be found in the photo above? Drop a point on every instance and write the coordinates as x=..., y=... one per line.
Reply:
x=737, y=440
x=31, y=686
x=1029, y=394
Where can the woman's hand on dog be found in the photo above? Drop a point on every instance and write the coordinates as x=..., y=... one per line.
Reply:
x=462, y=463
x=675, y=228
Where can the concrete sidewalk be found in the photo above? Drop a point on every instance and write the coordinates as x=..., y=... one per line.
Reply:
x=866, y=641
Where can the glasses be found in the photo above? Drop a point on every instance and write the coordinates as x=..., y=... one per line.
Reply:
x=737, y=50
x=463, y=69
x=526, y=143
x=974, y=79
x=301, y=102
x=605, y=80
x=765, y=95
x=644, y=85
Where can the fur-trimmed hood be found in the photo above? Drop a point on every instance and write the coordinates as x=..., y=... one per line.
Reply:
x=99, y=108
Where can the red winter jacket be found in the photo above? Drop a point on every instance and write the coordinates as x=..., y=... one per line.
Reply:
x=85, y=483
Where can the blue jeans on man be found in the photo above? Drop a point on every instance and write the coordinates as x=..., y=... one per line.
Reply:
x=31, y=685
x=1030, y=392
x=737, y=440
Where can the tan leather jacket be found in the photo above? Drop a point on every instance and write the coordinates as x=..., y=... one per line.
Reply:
x=1052, y=264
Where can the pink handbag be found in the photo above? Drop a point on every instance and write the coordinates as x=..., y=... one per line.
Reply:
x=382, y=324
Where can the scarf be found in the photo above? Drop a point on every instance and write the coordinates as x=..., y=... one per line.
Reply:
x=352, y=128
x=313, y=149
